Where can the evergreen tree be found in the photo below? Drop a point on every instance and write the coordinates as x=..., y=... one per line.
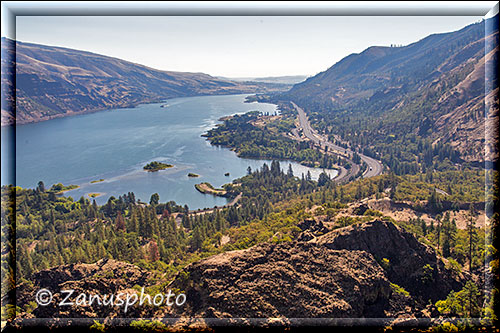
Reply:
x=41, y=186
x=197, y=239
x=120, y=222
x=290, y=171
x=471, y=232
x=155, y=199
x=154, y=253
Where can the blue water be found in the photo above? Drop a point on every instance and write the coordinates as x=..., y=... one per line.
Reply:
x=116, y=144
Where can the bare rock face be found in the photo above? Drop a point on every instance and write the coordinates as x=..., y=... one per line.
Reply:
x=292, y=280
x=311, y=229
x=103, y=278
x=412, y=265
x=340, y=274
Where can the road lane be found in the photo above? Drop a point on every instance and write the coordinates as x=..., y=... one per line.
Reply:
x=374, y=167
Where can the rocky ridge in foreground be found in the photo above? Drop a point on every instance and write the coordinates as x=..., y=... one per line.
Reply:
x=371, y=270
x=353, y=272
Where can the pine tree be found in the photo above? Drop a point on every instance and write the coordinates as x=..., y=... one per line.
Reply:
x=438, y=231
x=423, y=226
x=155, y=199
x=142, y=223
x=26, y=262
x=447, y=235
x=148, y=223
x=290, y=171
x=120, y=221
x=133, y=224
x=197, y=239
x=41, y=186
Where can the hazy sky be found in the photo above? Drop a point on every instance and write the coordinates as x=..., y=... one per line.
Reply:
x=237, y=46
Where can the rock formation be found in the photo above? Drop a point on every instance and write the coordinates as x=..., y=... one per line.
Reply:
x=340, y=274
x=104, y=278
x=407, y=257
x=371, y=270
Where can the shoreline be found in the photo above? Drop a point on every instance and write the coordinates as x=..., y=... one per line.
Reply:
x=207, y=188
x=67, y=189
x=105, y=187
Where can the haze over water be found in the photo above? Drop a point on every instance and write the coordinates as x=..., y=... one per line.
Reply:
x=114, y=145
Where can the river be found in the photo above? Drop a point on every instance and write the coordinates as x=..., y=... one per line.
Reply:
x=114, y=145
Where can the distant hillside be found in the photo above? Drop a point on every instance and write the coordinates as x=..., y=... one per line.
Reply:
x=434, y=88
x=289, y=79
x=54, y=81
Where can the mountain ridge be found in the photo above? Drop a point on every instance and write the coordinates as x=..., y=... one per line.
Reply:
x=434, y=87
x=54, y=81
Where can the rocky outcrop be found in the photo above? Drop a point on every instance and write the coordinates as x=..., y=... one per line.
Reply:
x=103, y=278
x=411, y=264
x=346, y=273
x=310, y=229
x=371, y=270
x=292, y=280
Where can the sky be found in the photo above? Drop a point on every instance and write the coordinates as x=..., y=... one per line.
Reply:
x=233, y=46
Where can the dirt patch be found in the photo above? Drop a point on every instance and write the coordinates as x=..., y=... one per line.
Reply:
x=224, y=240
x=400, y=212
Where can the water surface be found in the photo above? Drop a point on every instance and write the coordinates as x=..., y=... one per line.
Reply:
x=114, y=145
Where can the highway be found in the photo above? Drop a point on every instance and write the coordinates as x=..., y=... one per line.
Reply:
x=374, y=167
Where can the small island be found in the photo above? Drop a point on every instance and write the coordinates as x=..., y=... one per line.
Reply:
x=193, y=175
x=94, y=195
x=156, y=166
x=97, y=181
x=60, y=188
x=207, y=188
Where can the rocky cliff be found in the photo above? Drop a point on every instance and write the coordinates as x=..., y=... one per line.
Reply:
x=409, y=263
x=348, y=273
x=103, y=278
x=292, y=280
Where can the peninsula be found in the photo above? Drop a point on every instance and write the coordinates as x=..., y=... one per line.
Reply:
x=207, y=188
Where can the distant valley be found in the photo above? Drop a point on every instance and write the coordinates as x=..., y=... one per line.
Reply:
x=53, y=82
x=288, y=79
x=433, y=89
